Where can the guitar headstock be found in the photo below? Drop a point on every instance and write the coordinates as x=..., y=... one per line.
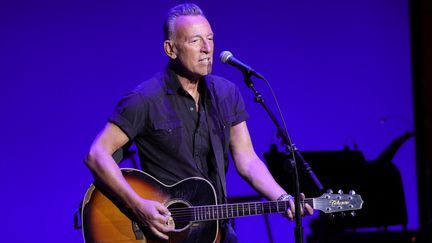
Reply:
x=334, y=203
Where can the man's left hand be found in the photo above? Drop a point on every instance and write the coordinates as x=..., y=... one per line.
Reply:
x=305, y=210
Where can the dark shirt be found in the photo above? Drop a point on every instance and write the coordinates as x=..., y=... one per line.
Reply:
x=196, y=128
x=174, y=142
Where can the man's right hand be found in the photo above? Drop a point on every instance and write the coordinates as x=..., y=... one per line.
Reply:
x=154, y=216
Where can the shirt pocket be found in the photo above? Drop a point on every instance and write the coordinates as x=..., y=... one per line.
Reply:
x=168, y=135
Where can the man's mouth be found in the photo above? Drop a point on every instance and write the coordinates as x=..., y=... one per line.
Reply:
x=204, y=60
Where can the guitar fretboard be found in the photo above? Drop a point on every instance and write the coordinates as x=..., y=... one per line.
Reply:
x=226, y=211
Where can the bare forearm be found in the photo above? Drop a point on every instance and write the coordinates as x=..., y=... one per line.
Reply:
x=107, y=173
x=259, y=177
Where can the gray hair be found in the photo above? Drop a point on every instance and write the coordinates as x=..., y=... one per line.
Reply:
x=186, y=9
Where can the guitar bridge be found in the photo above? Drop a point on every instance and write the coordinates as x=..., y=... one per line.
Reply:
x=139, y=235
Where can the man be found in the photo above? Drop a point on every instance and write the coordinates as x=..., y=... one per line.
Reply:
x=182, y=120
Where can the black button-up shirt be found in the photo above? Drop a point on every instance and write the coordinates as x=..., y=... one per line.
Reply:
x=173, y=141
x=196, y=128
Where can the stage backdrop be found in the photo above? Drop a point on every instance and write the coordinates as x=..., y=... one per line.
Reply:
x=338, y=67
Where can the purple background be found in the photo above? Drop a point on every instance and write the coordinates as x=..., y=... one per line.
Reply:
x=336, y=66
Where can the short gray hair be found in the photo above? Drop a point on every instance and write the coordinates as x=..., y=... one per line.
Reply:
x=185, y=9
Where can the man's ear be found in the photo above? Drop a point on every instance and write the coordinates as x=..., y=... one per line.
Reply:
x=170, y=49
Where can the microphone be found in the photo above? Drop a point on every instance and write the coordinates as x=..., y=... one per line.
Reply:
x=227, y=57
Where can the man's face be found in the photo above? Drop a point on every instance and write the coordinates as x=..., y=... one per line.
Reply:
x=193, y=43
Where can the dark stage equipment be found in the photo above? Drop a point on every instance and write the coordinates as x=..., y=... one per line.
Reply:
x=378, y=181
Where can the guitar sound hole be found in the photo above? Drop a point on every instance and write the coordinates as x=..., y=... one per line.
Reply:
x=181, y=214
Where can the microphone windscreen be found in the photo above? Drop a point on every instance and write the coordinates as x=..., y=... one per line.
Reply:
x=224, y=56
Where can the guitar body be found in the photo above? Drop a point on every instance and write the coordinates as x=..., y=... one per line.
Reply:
x=193, y=207
x=103, y=220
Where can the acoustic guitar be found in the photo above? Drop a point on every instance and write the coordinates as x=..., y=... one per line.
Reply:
x=192, y=202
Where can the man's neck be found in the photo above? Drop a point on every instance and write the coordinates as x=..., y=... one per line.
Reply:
x=188, y=83
x=182, y=73
x=190, y=86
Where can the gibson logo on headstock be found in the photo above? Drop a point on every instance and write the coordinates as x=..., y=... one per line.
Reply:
x=335, y=203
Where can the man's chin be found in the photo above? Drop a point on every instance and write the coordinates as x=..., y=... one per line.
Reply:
x=209, y=69
x=203, y=72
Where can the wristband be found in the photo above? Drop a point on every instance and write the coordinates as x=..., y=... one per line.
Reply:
x=285, y=197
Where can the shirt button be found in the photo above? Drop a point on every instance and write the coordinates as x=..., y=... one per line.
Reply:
x=191, y=108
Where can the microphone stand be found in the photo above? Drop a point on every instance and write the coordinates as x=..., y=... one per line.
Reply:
x=290, y=149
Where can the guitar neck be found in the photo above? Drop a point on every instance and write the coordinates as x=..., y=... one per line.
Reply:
x=226, y=211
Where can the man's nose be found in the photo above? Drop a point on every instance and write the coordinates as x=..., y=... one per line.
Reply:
x=206, y=46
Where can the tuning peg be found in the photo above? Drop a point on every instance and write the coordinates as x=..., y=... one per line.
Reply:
x=330, y=191
x=353, y=213
x=340, y=192
x=331, y=216
x=342, y=214
x=352, y=192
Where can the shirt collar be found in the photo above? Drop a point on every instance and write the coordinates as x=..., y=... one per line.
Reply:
x=173, y=84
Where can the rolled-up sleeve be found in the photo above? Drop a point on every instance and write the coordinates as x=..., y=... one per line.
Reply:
x=130, y=114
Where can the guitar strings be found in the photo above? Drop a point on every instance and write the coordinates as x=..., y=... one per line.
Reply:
x=264, y=205
x=223, y=211
x=210, y=212
x=225, y=206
